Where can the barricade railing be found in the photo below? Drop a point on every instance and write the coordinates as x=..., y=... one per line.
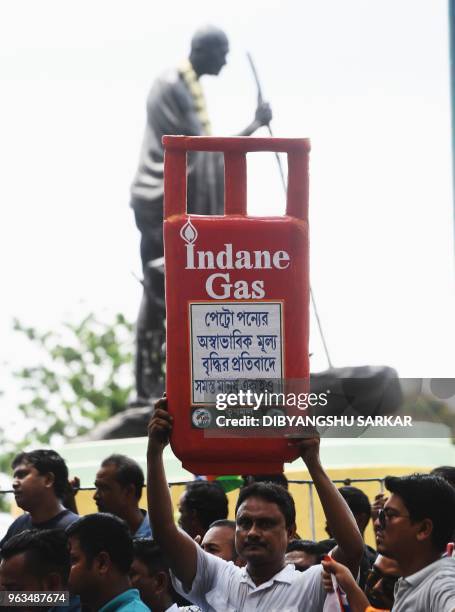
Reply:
x=307, y=483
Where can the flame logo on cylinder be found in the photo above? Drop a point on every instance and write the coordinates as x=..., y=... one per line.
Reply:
x=189, y=232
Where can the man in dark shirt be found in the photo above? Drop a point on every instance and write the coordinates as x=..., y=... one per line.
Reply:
x=119, y=483
x=40, y=479
x=200, y=505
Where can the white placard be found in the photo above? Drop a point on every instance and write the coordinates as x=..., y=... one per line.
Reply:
x=232, y=342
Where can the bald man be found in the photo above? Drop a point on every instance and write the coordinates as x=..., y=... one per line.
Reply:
x=176, y=105
x=220, y=541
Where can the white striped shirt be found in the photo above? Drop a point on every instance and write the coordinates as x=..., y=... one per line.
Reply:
x=221, y=586
x=432, y=589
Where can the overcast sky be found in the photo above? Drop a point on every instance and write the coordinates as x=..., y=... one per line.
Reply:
x=367, y=81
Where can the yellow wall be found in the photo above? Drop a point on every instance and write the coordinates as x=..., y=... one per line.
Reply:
x=298, y=491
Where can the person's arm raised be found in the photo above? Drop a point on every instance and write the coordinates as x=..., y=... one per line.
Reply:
x=349, y=549
x=176, y=544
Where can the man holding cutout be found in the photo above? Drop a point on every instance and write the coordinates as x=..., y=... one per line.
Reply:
x=265, y=519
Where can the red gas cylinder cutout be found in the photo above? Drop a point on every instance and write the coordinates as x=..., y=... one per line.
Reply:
x=237, y=305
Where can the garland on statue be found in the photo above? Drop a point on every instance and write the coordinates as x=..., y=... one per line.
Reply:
x=194, y=86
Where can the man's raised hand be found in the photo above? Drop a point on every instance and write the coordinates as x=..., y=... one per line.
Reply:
x=378, y=503
x=159, y=427
x=308, y=448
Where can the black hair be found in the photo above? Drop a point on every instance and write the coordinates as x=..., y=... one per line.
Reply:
x=273, y=493
x=309, y=546
x=103, y=532
x=46, y=551
x=445, y=471
x=150, y=554
x=356, y=499
x=327, y=545
x=230, y=525
x=128, y=472
x=279, y=479
x=427, y=497
x=46, y=461
x=208, y=500
x=223, y=523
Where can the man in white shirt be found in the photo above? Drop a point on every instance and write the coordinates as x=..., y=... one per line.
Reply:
x=265, y=518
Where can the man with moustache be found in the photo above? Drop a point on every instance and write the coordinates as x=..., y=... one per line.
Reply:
x=119, y=483
x=413, y=528
x=265, y=522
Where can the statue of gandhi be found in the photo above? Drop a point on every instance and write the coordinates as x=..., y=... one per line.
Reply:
x=175, y=105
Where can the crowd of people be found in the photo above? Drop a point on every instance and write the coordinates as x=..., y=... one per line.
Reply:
x=125, y=557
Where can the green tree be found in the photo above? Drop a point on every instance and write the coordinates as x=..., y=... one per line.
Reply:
x=84, y=376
